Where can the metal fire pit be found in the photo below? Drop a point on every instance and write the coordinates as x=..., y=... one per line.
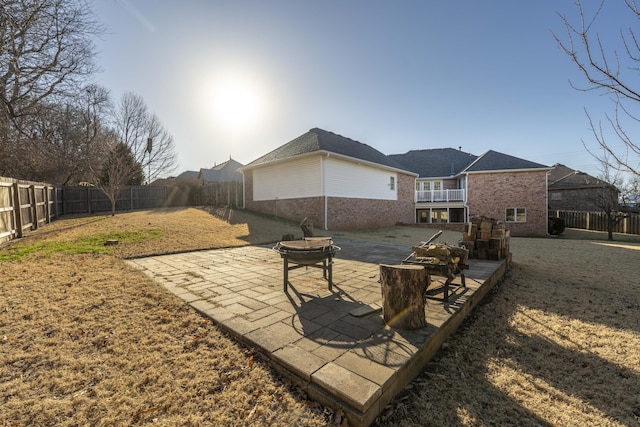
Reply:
x=317, y=252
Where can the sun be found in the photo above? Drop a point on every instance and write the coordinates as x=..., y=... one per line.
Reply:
x=236, y=102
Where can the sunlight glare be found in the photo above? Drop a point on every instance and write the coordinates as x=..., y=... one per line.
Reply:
x=236, y=102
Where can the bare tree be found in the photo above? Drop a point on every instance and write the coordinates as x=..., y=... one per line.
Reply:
x=119, y=170
x=607, y=198
x=161, y=159
x=135, y=125
x=46, y=56
x=69, y=139
x=613, y=71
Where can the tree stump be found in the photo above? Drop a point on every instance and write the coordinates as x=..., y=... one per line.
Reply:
x=403, y=289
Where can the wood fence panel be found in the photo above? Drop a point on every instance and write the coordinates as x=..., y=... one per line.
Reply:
x=597, y=221
x=24, y=206
x=222, y=194
x=28, y=205
x=8, y=229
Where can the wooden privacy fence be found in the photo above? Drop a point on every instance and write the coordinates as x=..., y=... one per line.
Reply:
x=24, y=205
x=222, y=194
x=597, y=221
x=88, y=200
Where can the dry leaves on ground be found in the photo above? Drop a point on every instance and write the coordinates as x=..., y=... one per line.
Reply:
x=86, y=340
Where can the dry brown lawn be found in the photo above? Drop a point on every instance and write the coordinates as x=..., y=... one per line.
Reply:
x=86, y=340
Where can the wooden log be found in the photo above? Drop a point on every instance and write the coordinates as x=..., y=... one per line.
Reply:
x=403, y=289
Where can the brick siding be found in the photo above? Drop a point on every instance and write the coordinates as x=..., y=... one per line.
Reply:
x=342, y=213
x=490, y=194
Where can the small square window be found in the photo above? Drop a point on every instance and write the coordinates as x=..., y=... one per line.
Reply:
x=516, y=215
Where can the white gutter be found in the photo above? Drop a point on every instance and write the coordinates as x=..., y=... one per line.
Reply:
x=509, y=170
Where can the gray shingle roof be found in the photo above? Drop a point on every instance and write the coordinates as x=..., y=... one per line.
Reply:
x=438, y=162
x=188, y=175
x=321, y=140
x=563, y=177
x=224, y=172
x=494, y=161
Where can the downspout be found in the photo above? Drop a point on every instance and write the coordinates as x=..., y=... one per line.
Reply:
x=324, y=195
x=244, y=205
x=466, y=197
x=326, y=211
x=546, y=198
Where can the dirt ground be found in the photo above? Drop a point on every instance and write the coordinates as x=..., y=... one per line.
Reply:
x=86, y=340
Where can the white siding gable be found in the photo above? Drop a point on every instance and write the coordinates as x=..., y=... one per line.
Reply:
x=298, y=178
x=352, y=180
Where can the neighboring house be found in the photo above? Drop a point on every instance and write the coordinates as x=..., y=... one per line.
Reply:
x=572, y=190
x=222, y=184
x=224, y=172
x=172, y=180
x=334, y=181
x=186, y=176
x=454, y=186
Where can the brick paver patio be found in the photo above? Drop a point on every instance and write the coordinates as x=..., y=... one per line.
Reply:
x=333, y=344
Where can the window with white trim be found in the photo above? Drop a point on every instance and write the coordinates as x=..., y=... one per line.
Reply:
x=516, y=215
x=392, y=183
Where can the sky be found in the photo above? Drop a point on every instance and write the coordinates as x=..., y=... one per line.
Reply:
x=237, y=79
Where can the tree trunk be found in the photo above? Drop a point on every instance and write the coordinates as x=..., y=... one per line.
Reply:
x=403, y=289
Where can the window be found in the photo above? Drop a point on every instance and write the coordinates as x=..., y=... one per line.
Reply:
x=392, y=183
x=516, y=215
x=439, y=216
x=556, y=196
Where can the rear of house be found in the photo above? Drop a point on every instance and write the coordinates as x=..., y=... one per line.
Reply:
x=454, y=186
x=339, y=183
x=336, y=182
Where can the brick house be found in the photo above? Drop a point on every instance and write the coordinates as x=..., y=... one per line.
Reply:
x=572, y=190
x=336, y=182
x=340, y=184
x=224, y=172
x=454, y=186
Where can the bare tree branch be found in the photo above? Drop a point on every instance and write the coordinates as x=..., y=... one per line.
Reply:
x=604, y=69
x=134, y=125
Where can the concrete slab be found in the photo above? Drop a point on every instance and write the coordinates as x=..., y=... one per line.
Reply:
x=334, y=344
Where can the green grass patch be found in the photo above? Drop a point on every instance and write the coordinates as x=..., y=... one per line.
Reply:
x=91, y=244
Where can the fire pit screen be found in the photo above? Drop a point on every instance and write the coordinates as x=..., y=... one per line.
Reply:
x=317, y=252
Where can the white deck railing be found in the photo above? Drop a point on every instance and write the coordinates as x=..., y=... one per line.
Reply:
x=457, y=195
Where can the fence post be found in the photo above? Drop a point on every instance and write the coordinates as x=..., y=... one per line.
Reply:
x=88, y=200
x=17, y=209
x=47, y=218
x=33, y=207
